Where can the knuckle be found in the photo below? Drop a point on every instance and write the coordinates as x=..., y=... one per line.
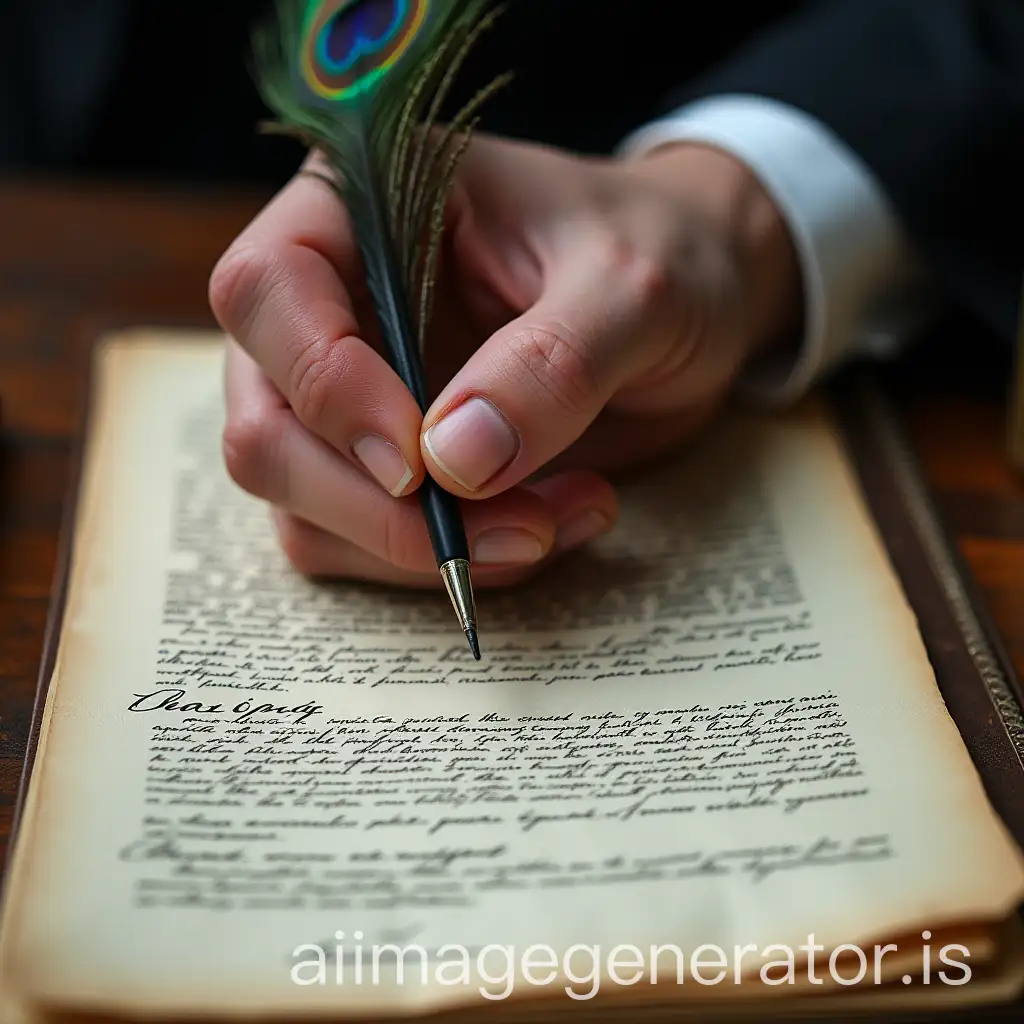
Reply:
x=644, y=276
x=558, y=365
x=243, y=278
x=649, y=280
x=310, y=383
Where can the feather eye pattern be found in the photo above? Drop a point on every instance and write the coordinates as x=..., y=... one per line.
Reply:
x=347, y=46
x=363, y=82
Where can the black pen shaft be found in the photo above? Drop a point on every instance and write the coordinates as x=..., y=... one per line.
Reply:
x=441, y=508
x=444, y=522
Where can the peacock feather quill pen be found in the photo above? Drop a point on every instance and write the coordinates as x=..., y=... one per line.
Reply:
x=363, y=82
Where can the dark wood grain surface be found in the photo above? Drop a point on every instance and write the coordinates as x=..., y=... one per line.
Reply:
x=75, y=262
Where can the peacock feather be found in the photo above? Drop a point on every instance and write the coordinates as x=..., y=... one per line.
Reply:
x=363, y=82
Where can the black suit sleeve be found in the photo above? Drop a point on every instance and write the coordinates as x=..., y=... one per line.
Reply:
x=930, y=94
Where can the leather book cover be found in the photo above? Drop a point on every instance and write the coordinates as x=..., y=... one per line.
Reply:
x=973, y=670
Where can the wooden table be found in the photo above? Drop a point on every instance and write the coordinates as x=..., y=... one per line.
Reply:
x=74, y=262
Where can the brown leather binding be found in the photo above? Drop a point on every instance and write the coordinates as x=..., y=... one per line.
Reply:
x=974, y=673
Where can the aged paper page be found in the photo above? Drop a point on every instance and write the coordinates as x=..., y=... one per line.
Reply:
x=717, y=727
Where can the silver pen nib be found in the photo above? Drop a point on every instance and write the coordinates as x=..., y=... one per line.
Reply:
x=457, y=582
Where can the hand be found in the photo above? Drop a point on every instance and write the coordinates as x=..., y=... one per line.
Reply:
x=591, y=314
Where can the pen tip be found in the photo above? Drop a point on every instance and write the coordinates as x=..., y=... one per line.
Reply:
x=474, y=643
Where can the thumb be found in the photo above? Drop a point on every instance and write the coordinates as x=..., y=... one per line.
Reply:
x=536, y=385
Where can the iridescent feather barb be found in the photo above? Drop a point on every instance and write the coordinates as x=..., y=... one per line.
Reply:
x=363, y=81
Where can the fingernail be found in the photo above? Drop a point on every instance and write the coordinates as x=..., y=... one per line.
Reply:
x=582, y=528
x=507, y=546
x=384, y=462
x=472, y=443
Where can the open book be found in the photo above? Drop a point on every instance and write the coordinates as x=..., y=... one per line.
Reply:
x=704, y=765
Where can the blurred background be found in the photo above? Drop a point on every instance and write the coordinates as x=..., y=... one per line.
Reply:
x=161, y=91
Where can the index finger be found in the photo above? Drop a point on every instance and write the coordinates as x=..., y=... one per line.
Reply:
x=284, y=292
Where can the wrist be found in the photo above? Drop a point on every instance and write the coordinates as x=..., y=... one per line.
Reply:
x=730, y=199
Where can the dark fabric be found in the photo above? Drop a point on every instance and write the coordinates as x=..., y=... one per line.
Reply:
x=58, y=67
x=928, y=92
x=172, y=94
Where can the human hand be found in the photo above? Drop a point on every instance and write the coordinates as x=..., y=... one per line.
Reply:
x=591, y=315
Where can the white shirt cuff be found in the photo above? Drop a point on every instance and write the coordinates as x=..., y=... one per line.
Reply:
x=864, y=291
